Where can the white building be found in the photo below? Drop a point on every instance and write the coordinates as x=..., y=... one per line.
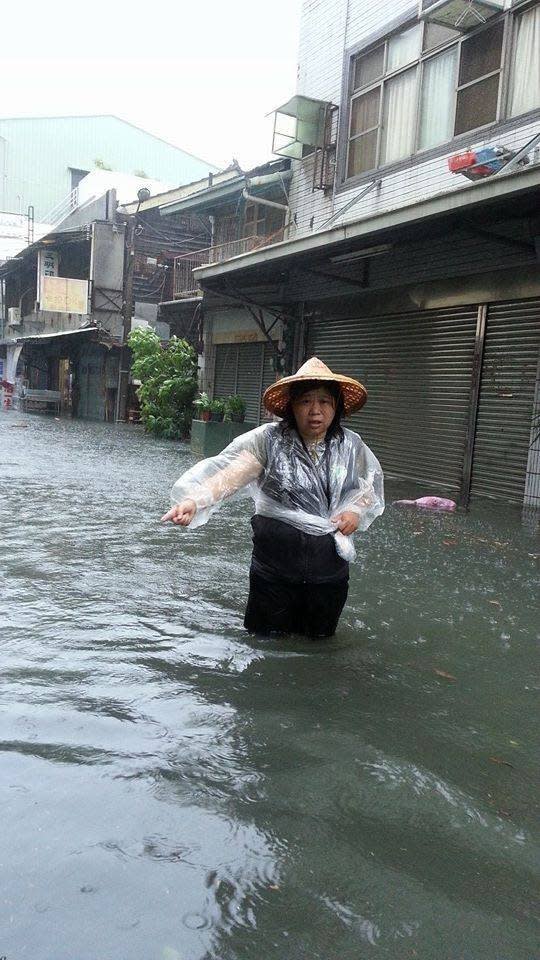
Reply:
x=422, y=282
x=411, y=93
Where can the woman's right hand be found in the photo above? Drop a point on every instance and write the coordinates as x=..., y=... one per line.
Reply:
x=182, y=513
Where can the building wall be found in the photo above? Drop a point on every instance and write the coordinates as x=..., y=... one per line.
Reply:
x=329, y=29
x=236, y=325
x=100, y=261
x=38, y=152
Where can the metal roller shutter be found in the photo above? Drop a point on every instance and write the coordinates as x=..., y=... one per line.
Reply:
x=246, y=369
x=226, y=369
x=503, y=426
x=250, y=359
x=417, y=369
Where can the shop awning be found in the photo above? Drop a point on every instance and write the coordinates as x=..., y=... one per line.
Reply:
x=61, y=334
x=325, y=245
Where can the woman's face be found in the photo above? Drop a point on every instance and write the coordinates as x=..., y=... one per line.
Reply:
x=314, y=412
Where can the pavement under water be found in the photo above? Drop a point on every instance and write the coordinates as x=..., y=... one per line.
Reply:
x=173, y=789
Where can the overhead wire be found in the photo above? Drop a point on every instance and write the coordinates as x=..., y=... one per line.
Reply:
x=171, y=235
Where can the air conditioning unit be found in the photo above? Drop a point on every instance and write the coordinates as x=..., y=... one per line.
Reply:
x=460, y=15
x=14, y=316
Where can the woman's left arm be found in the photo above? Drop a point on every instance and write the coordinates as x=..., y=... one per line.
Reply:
x=364, y=500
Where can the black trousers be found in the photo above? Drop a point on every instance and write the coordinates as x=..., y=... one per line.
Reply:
x=312, y=609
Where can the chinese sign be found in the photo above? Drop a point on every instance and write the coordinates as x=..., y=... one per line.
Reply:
x=47, y=267
x=63, y=295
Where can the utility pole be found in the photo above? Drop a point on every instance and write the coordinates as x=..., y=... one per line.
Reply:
x=128, y=305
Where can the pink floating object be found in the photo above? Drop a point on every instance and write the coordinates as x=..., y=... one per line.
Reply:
x=427, y=503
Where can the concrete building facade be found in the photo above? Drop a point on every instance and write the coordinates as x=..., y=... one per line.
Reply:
x=337, y=35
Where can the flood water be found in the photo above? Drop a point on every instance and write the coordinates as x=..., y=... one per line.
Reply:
x=173, y=789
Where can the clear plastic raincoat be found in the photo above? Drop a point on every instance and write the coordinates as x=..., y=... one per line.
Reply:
x=290, y=481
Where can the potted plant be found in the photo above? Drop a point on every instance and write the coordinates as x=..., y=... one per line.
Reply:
x=217, y=409
x=235, y=409
x=204, y=406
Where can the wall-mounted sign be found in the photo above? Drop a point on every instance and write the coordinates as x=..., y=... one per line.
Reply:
x=63, y=295
x=47, y=266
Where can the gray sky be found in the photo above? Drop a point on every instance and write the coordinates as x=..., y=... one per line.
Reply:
x=201, y=74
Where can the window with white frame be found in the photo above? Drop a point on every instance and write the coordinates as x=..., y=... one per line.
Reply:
x=422, y=87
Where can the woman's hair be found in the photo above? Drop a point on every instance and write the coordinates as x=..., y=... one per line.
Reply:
x=298, y=389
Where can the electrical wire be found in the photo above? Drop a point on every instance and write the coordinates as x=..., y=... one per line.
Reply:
x=176, y=235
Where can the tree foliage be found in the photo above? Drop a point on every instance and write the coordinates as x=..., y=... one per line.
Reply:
x=168, y=383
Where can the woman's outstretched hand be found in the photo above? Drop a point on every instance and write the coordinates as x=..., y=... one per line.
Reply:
x=182, y=513
x=347, y=522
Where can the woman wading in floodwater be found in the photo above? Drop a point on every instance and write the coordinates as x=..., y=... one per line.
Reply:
x=314, y=484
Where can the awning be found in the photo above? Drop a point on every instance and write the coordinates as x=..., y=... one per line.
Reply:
x=204, y=198
x=61, y=334
x=55, y=238
x=460, y=15
x=352, y=235
x=299, y=127
x=275, y=171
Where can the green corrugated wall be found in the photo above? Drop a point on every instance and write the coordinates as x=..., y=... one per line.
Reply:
x=38, y=152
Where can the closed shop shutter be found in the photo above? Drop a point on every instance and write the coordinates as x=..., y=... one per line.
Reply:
x=503, y=427
x=226, y=369
x=91, y=383
x=417, y=369
x=246, y=369
x=250, y=357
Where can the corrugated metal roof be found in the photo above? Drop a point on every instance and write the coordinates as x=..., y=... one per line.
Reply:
x=61, y=236
x=38, y=337
x=190, y=193
x=186, y=190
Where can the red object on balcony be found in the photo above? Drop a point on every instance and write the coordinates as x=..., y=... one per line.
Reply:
x=482, y=170
x=462, y=161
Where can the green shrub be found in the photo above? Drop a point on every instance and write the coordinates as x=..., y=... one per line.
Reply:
x=168, y=378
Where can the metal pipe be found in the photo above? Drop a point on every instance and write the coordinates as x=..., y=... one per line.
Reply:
x=269, y=178
x=521, y=156
x=264, y=202
x=476, y=381
x=342, y=210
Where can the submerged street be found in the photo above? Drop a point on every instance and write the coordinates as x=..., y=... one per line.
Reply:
x=174, y=789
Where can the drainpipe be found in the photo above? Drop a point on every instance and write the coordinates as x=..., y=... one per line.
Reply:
x=264, y=202
x=271, y=179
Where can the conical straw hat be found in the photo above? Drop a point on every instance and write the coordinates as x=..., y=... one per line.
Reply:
x=276, y=397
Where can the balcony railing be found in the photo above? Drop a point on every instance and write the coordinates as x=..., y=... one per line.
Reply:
x=185, y=284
